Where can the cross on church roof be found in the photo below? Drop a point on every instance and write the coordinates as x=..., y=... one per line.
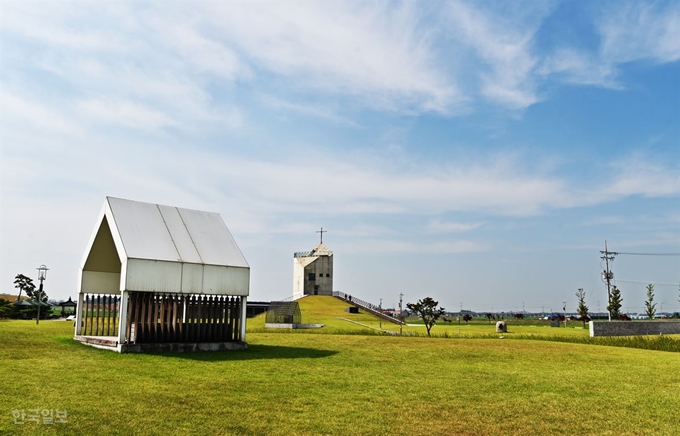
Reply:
x=322, y=231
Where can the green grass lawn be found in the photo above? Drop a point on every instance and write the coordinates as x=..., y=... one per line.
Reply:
x=331, y=313
x=293, y=383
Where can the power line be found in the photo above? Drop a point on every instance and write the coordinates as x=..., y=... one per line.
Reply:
x=645, y=254
x=647, y=282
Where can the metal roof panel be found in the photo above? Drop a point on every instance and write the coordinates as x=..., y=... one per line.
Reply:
x=142, y=230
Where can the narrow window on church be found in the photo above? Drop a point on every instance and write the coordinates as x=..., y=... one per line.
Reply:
x=312, y=277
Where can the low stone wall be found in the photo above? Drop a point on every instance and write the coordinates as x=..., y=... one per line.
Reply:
x=634, y=328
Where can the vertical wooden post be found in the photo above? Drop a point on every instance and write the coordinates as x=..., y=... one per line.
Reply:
x=211, y=318
x=129, y=321
x=79, y=314
x=194, y=318
x=230, y=313
x=96, y=329
x=234, y=325
x=242, y=318
x=201, y=316
x=108, y=314
x=223, y=319
x=123, y=336
x=147, y=314
x=83, y=309
x=156, y=313
x=174, y=318
x=116, y=311
x=185, y=318
x=163, y=325
x=90, y=308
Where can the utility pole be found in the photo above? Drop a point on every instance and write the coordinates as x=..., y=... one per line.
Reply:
x=380, y=317
x=401, y=313
x=607, y=274
x=564, y=312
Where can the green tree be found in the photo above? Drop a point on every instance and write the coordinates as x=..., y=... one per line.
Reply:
x=650, y=305
x=7, y=309
x=33, y=295
x=615, y=300
x=582, y=309
x=427, y=310
x=25, y=284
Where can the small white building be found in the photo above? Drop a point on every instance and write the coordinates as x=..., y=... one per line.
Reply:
x=313, y=271
x=158, y=277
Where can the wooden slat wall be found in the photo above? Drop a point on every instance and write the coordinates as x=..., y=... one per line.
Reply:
x=100, y=315
x=163, y=318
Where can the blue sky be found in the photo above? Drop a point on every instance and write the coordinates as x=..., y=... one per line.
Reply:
x=476, y=152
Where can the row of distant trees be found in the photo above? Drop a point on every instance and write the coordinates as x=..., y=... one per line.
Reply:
x=26, y=286
x=615, y=302
x=429, y=311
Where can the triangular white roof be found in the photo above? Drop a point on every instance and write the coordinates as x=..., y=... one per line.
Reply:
x=157, y=232
x=154, y=248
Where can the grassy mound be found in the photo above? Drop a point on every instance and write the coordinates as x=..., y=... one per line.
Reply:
x=331, y=312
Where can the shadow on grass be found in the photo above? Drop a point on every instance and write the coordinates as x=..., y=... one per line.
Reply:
x=254, y=352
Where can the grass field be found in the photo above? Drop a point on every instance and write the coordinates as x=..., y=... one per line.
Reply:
x=345, y=384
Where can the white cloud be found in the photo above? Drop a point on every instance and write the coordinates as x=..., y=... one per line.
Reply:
x=437, y=226
x=636, y=31
x=36, y=115
x=394, y=246
x=603, y=220
x=579, y=68
x=631, y=31
x=315, y=111
x=504, y=44
x=125, y=113
x=379, y=52
x=639, y=176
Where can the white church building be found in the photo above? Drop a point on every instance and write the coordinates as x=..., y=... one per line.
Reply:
x=313, y=271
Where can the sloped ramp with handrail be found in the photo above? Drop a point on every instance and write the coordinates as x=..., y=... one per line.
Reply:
x=369, y=307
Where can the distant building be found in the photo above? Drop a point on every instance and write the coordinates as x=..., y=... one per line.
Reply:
x=313, y=271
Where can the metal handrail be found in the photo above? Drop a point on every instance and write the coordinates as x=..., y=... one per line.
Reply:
x=377, y=310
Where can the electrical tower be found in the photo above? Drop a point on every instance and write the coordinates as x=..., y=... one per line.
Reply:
x=607, y=275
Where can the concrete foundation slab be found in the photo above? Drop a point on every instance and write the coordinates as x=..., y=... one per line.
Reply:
x=111, y=343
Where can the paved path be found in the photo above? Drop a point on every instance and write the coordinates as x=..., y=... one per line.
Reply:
x=390, y=332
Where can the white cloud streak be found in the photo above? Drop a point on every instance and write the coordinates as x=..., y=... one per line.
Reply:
x=504, y=44
x=639, y=30
x=438, y=226
x=630, y=31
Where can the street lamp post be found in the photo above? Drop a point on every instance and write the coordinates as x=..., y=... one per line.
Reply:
x=42, y=274
x=401, y=313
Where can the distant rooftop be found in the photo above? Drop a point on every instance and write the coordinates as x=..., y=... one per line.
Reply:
x=319, y=250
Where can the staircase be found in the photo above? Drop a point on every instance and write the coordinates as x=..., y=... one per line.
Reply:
x=369, y=307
